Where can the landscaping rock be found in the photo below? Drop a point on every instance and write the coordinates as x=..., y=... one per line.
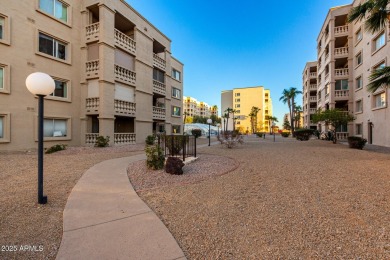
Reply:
x=174, y=165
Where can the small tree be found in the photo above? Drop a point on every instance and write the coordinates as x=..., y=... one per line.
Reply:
x=286, y=124
x=334, y=117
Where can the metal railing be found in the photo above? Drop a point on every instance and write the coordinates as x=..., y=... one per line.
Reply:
x=177, y=145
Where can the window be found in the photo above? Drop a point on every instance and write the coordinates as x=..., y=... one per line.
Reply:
x=237, y=94
x=380, y=66
x=359, y=35
x=379, y=41
x=55, y=8
x=380, y=100
x=238, y=111
x=176, y=93
x=359, y=129
x=359, y=82
x=158, y=75
x=2, y=78
x=2, y=29
x=342, y=128
x=52, y=47
x=60, y=90
x=359, y=106
x=176, y=111
x=359, y=59
x=237, y=105
x=176, y=74
x=341, y=84
x=54, y=127
x=176, y=129
x=237, y=100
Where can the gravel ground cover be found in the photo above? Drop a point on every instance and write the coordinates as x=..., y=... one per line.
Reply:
x=286, y=200
x=23, y=222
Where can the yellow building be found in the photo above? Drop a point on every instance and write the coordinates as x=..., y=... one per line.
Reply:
x=242, y=100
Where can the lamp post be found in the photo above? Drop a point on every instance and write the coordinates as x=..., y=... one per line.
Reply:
x=41, y=85
x=209, y=121
x=273, y=130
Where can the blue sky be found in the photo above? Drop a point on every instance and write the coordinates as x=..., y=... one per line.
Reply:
x=231, y=44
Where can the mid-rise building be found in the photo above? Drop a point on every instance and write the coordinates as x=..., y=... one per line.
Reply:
x=193, y=107
x=347, y=55
x=113, y=70
x=309, y=107
x=242, y=100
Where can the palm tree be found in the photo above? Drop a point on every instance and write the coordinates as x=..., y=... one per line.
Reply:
x=227, y=113
x=233, y=111
x=271, y=119
x=378, y=17
x=297, y=117
x=288, y=96
x=215, y=109
x=253, y=116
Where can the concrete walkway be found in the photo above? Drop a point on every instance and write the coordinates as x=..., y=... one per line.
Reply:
x=105, y=219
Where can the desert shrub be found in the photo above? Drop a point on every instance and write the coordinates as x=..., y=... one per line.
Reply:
x=102, y=141
x=259, y=134
x=285, y=134
x=150, y=139
x=174, y=166
x=303, y=134
x=55, y=148
x=196, y=132
x=154, y=157
x=356, y=142
x=176, y=145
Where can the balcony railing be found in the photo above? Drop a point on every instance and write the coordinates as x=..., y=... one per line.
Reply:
x=124, y=107
x=92, y=68
x=341, y=72
x=313, y=74
x=341, y=29
x=312, y=110
x=158, y=113
x=90, y=138
x=326, y=76
x=92, y=105
x=313, y=99
x=342, y=135
x=124, y=138
x=341, y=51
x=125, y=75
x=159, y=62
x=313, y=87
x=341, y=93
x=326, y=57
x=92, y=32
x=158, y=87
x=125, y=41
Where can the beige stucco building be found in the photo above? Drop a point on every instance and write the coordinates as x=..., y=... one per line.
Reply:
x=347, y=54
x=242, y=100
x=114, y=73
x=193, y=107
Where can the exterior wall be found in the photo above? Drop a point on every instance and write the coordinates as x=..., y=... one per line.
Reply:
x=100, y=94
x=309, y=89
x=194, y=107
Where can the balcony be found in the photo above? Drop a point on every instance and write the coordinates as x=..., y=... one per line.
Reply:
x=158, y=113
x=313, y=87
x=342, y=135
x=159, y=62
x=341, y=72
x=92, y=105
x=313, y=75
x=341, y=52
x=124, y=107
x=124, y=138
x=125, y=75
x=341, y=94
x=125, y=42
x=340, y=30
x=312, y=111
x=92, y=69
x=92, y=32
x=326, y=58
x=313, y=99
x=90, y=138
x=159, y=87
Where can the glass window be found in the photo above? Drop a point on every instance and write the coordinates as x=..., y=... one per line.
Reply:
x=380, y=100
x=359, y=106
x=176, y=129
x=237, y=105
x=359, y=59
x=158, y=75
x=56, y=8
x=1, y=126
x=54, y=127
x=176, y=92
x=2, y=22
x=359, y=129
x=237, y=94
x=52, y=47
x=380, y=66
x=359, y=82
x=176, y=111
x=1, y=78
x=379, y=41
x=359, y=35
x=176, y=74
x=60, y=90
x=341, y=84
x=342, y=128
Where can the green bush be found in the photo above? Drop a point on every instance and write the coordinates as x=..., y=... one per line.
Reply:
x=285, y=134
x=150, y=139
x=154, y=157
x=303, y=134
x=356, y=142
x=196, y=132
x=176, y=145
x=259, y=134
x=102, y=141
x=56, y=148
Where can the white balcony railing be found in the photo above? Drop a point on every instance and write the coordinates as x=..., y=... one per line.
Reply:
x=312, y=111
x=124, y=107
x=313, y=87
x=159, y=62
x=341, y=51
x=341, y=72
x=92, y=68
x=158, y=113
x=342, y=135
x=159, y=87
x=313, y=74
x=326, y=76
x=341, y=93
x=341, y=29
x=326, y=57
x=90, y=138
x=92, y=32
x=313, y=99
x=92, y=104
x=125, y=75
x=124, y=138
x=125, y=41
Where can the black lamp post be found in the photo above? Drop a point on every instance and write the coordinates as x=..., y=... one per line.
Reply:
x=209, y=121
x=41, y=85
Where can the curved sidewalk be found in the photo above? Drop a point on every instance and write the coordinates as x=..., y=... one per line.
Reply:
x=105, y=219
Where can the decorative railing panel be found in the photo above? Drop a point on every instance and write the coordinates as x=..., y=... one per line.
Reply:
x=124, y=41
x=341, y=93
x=92, y=104
x=159, y=113
x=124, y=138
x=159, y=62
x=341, y=29
x=342, y=135
x=125, y=75
x=92, y=32
x=90, y=138
x=341, y=72
x=124, y=107
x=341, y=51
x=92, y=68
x=159, y=87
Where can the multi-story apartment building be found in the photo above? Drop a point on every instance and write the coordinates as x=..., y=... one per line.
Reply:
x=113, y=70
x=347, y=55
x=309, y=78
x=242, y=100
x=193, y=107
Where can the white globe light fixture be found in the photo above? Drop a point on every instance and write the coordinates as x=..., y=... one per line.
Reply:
x=209, y=121
x=40, y=84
